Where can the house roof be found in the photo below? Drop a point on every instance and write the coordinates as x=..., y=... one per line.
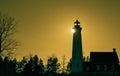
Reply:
x=104, y=57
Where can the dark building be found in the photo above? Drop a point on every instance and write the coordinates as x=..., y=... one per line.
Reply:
x=102, y=62
x=96, y=62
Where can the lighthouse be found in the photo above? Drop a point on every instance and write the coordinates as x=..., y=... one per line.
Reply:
x=77, y=55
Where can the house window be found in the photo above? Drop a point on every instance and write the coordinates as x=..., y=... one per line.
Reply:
x=98, y=67
x=112, y=67
x=87, y=68
x=105, y=67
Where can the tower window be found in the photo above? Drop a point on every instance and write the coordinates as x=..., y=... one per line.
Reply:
x=77, y=65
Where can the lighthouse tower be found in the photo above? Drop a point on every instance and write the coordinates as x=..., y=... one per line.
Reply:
x=77, y=56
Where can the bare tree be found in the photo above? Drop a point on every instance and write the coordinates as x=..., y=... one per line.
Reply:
x=7, y=29
x=63, y=64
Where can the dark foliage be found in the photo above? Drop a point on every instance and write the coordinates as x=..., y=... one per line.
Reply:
x=35, y=67
x=7, y=67
x=52, y=66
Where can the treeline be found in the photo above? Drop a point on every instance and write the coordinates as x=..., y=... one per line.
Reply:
x=33, y=67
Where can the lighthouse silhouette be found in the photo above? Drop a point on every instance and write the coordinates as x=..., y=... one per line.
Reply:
x=77, y=55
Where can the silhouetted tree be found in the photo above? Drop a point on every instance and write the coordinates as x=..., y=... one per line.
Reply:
x=41, y=67
x=6, y=66
x=7, y=28
x=63, y=66
x=69, y=67
x=36, y=66
x=9, y=67
x=52, y=66
x=28, y=69
x=1, y=66
x=20, y=66
x=12, y=67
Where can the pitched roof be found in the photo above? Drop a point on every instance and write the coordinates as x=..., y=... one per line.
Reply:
x=104, y=57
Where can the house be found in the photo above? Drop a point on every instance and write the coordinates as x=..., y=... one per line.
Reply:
x=102, y=62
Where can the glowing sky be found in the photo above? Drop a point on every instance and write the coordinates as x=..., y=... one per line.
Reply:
x=45, y=25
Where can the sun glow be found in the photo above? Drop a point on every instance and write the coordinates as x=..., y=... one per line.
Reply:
x=73, y=30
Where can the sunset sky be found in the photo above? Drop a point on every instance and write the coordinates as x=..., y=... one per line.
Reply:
x=44, y=26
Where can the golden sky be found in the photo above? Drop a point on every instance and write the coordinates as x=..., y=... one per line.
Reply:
x=45, y=25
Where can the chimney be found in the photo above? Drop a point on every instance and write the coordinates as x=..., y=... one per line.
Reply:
x=114, y=49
